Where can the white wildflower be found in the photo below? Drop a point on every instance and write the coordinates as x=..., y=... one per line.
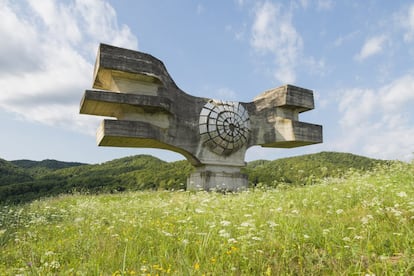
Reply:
x=54, y=265
x=347, y=239
x=245, y=224
x=199, y=211
x=256, y=238
x=80, y=219
x=383, y=258
x=49, y=253
x=167, y=234
x=223, y=233
x=366, y=219
x=339, y=211
x=272, y=224
x=232, y=240
x=402, y=194
x=306, y=236
x=225, y=223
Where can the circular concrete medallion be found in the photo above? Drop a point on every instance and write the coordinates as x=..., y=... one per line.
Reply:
x=224, y=126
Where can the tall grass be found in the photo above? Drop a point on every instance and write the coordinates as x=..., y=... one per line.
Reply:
x=356, y=225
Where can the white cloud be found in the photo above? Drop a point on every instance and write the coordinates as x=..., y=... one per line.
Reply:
x=372, y=46
x=200, y=9
x=240, y=3
x=345, y=38
x=319, y=5
x=324, y=4
x=16, y=55
x=303, y=3
x=407, y=22
x=274, y=34
x=47, y=52
x=238, y=33
x=226, y=94
x=315, y=67
x=357, y=106
x=379, y=122
x=220, y=93
x=398, y=94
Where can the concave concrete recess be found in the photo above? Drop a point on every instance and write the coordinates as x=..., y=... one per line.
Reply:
x=152, y=112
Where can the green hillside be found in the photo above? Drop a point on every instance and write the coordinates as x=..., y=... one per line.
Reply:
x=47, y=164
x=10, y=174
x=129, y=173
x=42, y=167
x=25, y=180
x=307, y=169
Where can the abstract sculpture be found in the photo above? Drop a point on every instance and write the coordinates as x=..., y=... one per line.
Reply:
x=152, y=112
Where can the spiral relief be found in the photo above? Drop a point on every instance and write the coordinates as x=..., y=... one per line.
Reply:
x=224, y=126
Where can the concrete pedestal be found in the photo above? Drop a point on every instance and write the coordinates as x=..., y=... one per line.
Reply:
x=217, y=178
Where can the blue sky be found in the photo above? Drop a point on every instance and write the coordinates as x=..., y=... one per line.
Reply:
x=357, y=57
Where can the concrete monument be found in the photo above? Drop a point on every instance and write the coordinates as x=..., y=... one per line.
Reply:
x=152, y=112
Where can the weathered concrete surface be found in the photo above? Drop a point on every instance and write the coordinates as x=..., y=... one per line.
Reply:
x=217, y=178
x=151, y=111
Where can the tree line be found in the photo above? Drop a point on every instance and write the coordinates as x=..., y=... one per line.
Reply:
x=25, y=180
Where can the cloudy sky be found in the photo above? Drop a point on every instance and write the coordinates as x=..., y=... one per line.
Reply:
x=357, y=57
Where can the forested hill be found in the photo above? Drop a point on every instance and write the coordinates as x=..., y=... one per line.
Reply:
x=44, y=166
x=24, y=180
x=10, y=173
x=307, y=169
x=140, y=172
x=48, y=164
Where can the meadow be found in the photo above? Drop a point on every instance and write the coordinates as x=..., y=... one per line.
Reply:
x=357, y=224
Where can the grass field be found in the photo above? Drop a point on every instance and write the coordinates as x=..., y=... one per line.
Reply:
x=355, y=225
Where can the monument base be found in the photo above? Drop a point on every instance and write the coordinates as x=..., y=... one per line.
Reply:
x=217, y=178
